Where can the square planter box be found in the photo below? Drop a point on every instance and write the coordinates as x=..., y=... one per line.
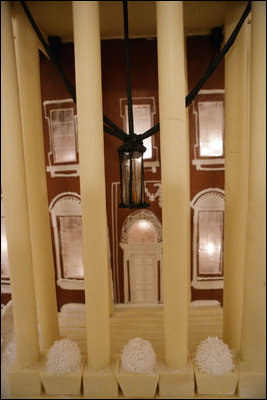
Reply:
x=179, y=382
x=100, y=384
x=216, y=384
x=134, y=385
x=67, y=384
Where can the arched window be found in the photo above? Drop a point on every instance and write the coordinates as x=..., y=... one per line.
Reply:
x=66, y=218
x=208, y=222
x=142, y=231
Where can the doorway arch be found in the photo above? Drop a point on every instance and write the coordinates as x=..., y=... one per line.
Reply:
x=141, y=242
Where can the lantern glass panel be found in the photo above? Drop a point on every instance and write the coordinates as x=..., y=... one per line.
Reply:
x=136, y=193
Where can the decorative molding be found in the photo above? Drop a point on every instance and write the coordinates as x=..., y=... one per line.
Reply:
x=211, y=199
x=136, y=216
x=152, y=196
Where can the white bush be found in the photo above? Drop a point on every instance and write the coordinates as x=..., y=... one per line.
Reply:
x=63, y=357
x=138, y=356
x=214, y=357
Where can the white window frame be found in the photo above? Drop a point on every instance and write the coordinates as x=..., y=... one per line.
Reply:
x=153, y=163
x=211, y=199
x=60, y=170
x=63, y=205
x=206, y=163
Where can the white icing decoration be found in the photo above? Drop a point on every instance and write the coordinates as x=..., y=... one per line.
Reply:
x=138, y=356
x=63, y=357
x=214, y=357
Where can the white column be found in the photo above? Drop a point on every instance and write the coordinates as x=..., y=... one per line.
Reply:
x=92, y=179
x=253, y=343
x=15, y=202
x=175, y=180
x=236, y=173
x=27, y=56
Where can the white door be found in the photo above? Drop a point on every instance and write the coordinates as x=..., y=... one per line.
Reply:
x=143, y=275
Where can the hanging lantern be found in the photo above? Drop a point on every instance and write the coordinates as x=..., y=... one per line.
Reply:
x=132, y=175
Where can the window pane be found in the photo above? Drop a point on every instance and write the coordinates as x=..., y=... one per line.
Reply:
x=63, y=135
x=142, y=231
x=71, y=246
x=4, y=256
x=210, y=241
x=211, y=127
x=142, y=122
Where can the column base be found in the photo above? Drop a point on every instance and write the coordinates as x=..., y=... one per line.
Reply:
x=216, y=384
x=67, y=384
x=100, y=384
x=178, y=382
x=24, y=381
x=252, y=383
x=135, y=385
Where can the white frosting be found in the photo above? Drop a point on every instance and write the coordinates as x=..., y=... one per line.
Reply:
x=214, y=357
x=63, y=357
x=138, y=356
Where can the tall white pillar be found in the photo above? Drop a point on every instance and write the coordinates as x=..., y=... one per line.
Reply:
x=175, y=180
x=27, y=56
x=15, y=203
x=92, y=179
x=237, y=77
x=253, y=343
x=252, y=365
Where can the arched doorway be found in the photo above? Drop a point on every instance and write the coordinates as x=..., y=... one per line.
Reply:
x=141, y=241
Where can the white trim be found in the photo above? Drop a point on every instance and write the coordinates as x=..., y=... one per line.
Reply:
x=201, y=202
x=211, y=91
x=135, y=216
x=59, y=170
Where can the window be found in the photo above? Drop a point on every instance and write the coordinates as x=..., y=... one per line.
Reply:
x=208, y=219
x=66, y=219
x=142, y=231
x=144, y=110
x=63, y=135
x=63, y=157
x=207, y=116
x=5, y=277
x=71, y=246
x=211, y=127
x=210, y=239
x=142, y=122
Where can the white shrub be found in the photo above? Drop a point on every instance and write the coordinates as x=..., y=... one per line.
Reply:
x=63, y=357
x=214, y=357
x=138, y=356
